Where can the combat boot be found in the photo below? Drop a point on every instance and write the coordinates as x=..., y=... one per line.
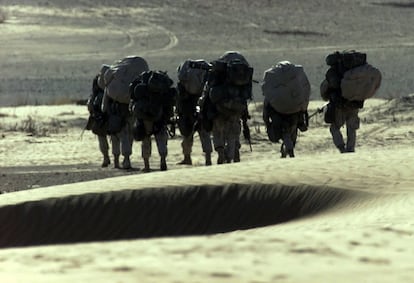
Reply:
x=221, y=156
x=106, y=161
x=163, y=164
x=187, y=160
x=146, y=168
x=116, y=161
x=290, y=153
x=342, y=148
x=208, y=158
x=283, y=152
x=350, y=149
x=126, y=163
x=236, y=156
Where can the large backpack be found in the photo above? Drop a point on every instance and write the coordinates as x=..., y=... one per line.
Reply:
x=97, y=121
x=233, y=55
x=152, y=96
x=229, y=100
x=231, y=68
x=239, y=73
x=347, y=59
x=360, y=83
x=230, y=84
x=121, y=74
x=101, y=76
x=286, y=88
x=192, y=75
x=350, y=72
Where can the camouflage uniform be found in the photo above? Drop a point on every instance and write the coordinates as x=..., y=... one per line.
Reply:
x=187, y=123
x=286, y=128
x=123, y=140
x=205, y=140
x=345, y=116
x=227, y=129
x=161, y=139
x=102, y=140
x=226, y=133
x=344, y=112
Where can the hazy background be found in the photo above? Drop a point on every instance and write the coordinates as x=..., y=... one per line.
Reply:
x=50, y=50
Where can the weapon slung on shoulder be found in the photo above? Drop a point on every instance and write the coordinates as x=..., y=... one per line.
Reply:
x=318, y=110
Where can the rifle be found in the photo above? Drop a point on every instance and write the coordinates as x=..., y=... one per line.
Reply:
x=318, y=110
x=246, y=133
x=171, y=130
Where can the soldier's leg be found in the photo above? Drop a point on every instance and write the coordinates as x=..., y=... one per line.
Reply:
x=146, y=152
x=293, y=137
x=187, y=145
x=104, y=148
x=232, y=132
x=335, y=130
x=116, y=149
x=237, y=146
x=161, y=139
x=126, y=146
x=146, y=146
x=205, y=140
x=237, y=151
x=219, y=139
x=287, y=142
x=293, y=130
x=352, y=125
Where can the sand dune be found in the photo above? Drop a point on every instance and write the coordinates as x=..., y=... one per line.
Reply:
x=347, y=216
x=160, y=212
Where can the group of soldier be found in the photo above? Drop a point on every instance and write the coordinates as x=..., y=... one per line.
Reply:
x=193, y=113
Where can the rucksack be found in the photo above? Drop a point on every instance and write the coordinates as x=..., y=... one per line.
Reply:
x=229, y=85
x=286, y=88
x=360, y=83
x=97, y=121
x=119, y=76
x=233, y=55
x=192, y=75
x=346, y=59
x=238, y=73
x=159, y=82
x=231, y=68
x=229, y=100
x=101, y=76
x=152, y=96
x=352, y=59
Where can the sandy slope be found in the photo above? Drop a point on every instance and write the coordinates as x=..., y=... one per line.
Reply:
x=365, y=235
x=320, y=217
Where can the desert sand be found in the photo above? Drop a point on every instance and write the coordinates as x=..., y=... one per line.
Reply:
x=320, y=217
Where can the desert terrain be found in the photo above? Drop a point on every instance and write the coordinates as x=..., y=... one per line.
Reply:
x=320, y=217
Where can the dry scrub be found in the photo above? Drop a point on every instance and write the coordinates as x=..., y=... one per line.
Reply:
x=34, y=127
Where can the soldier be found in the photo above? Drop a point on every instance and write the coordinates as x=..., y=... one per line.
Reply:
x=286, y=89
x=229, y=89
x=119, y=127
x=228, y=56
x=341, y=111
x=96, y=121
x=116, y=105
x=192, y=75
x=285, y=126
x=152, y=105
